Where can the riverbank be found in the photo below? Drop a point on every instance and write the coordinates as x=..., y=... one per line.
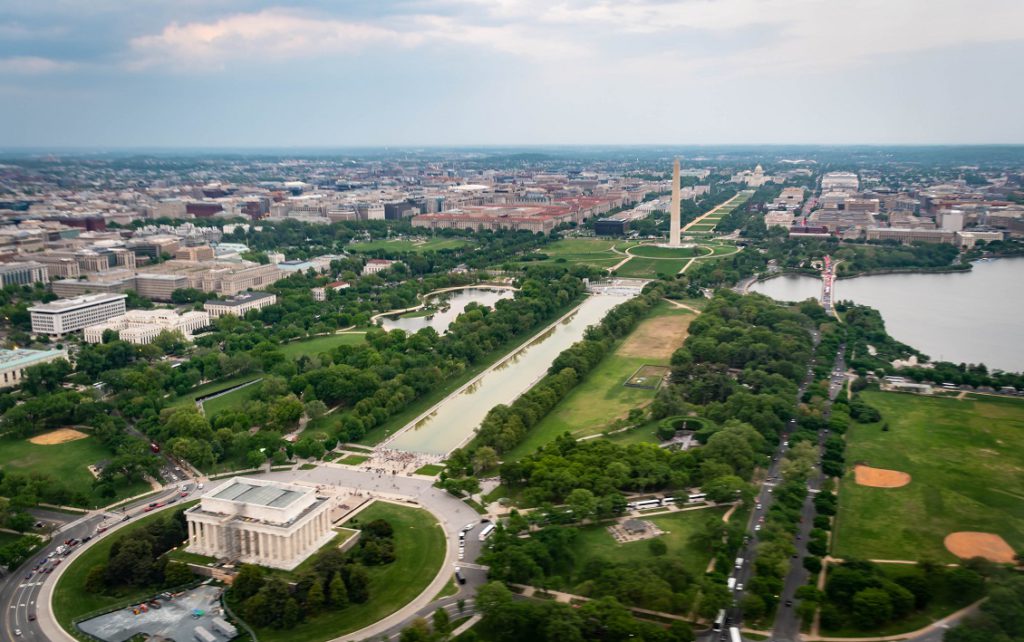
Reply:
x=938, y=313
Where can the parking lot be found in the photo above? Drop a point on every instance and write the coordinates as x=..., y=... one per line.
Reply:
x=176, y=619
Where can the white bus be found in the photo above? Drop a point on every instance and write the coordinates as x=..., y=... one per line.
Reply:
x=719, y=621
x=734, y=634
x=667, y=501
x=697, y=497
x=648, y=503
x=486, y=532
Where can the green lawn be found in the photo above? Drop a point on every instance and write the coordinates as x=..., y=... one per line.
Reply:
x=412, y=245
x=352, y=460
x=67, y=462
x=596, y=402
x=644, y=268
x=317, y=345
x=70, y=598
x=965, y=460
x=591, y=406
x=233, y=400
x=213, y=386
x=597, y=542
x=592, y=252
x=654, y=251
x=639, y=435
x=430, y=469
x=419, y=551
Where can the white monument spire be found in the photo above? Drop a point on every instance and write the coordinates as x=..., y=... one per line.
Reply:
x=673, y=235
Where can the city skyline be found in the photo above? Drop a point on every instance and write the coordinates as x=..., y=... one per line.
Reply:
x=241, y=74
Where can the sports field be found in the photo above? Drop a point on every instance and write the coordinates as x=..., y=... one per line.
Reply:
x=410, y=245
x=601, y=398
x=67, y=462
x=965, y=460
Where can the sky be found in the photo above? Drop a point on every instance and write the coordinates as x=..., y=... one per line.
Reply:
x=343, y=73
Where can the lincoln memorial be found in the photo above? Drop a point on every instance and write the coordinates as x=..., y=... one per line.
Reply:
x=254, y=521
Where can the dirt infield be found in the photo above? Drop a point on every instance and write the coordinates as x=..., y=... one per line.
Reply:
x=968, y=544
x=656, y=338
x=59, y=436
x=880, y=477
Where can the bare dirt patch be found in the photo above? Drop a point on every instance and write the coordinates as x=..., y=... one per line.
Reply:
x=968, y=544
x=656, y=338
x=880, y=477
x=59, y=436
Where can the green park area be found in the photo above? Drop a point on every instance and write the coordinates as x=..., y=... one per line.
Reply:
x=593, y=252
x=659, y=252
x=73, y=601
x=593, y=406
x=964, y=458
x=318, y=345
x=645, y=268
x=67, y=462
x=236, y=398
x=678, y=528
x=408, y=245
x=419, y=553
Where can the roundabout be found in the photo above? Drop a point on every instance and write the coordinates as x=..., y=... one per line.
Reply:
x=404, y=492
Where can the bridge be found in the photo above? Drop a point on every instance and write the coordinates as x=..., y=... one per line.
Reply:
x=828, y=284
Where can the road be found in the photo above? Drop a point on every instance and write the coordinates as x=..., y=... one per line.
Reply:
x=787, y=623
x=747, y=554
x=27, y=592
x=453, y=515
x=20, y=590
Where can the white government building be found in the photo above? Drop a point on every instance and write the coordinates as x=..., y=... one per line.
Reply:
x=255, y=521
x=143, y=326
x=68, y=315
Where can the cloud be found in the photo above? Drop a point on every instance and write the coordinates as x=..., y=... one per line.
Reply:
x=787, y=33
x=282, y=34
x=33, y=65
x=275, y=34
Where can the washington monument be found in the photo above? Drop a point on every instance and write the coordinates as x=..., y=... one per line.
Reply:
x=673, y=235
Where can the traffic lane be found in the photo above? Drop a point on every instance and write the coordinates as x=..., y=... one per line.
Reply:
x=20, y=596
x=23, y=600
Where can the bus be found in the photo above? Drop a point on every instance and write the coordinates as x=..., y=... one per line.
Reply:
x=697, y=497
x=486, y=532
x=648, y=503
x=719, y=621
x=668, y=501
x=734, y=634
